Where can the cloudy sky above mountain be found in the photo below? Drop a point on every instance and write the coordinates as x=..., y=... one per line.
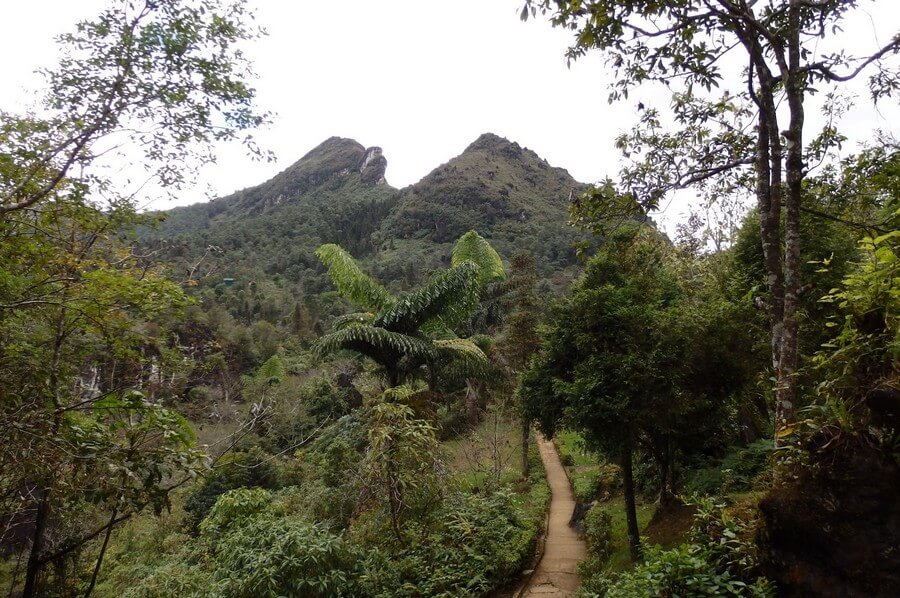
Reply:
x=420, y=78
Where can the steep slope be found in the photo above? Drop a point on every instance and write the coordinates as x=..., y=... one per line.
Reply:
x=506, y=192
x=337, y=170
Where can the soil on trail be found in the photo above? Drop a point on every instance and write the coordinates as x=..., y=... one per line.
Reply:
x=557, y=573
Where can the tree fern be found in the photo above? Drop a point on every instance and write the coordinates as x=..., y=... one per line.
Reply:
x=450, y=297
x=377, y=343
x=472, y=247
x=461, y=358
x=416, y=330
x=271, y=372
x=351, y=281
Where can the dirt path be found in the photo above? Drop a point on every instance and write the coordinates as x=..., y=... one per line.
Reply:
x=557, y=573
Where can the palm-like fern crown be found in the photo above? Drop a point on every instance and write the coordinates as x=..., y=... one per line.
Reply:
x=416, y=328
x=442, y=302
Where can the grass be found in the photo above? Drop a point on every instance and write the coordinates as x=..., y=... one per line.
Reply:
x=488, y=456
x=572, y=447
x=621, y=557
x=581, y=464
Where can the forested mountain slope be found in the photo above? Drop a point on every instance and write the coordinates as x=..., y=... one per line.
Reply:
x=337, y=193
x=508, y=193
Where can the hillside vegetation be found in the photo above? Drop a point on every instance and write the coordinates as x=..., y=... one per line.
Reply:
x=325, y=386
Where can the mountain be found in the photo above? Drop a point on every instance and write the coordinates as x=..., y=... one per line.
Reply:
x=337, y=169
x=506, y=192
x=264, y=237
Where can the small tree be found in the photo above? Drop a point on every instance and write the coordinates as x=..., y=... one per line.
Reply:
x=521, y=340
x=402, y=461
x=84, y=345
x=625, y=362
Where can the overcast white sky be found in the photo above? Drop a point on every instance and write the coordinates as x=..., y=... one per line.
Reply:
x=420, y=78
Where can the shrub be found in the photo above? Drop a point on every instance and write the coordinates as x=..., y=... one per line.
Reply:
x=598, y=534
x=476, y=543
x=253, y=546
x=682, y=571
x=716, y=562
x=735, y=472
x=605, y=480
x=235, y=506
x=250, y=469
x=271, y=555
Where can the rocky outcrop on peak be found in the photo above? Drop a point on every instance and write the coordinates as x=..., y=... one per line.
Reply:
x=373, y=166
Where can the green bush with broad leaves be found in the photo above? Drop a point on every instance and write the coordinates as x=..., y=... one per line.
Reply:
x=717, y=561
x=477, y=543
x=251, y=469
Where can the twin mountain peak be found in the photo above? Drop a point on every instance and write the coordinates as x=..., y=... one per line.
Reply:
x=338, y=193
x=503, y=168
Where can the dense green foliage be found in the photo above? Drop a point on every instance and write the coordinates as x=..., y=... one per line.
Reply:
x=717, y=560
x=189, y=407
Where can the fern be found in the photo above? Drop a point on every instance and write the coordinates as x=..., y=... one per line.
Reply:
x=449, y=297
x=357, y=319
x=462, y=358
x=351, y=281
x=472, y=247
x=377, y=343
x=271, y=372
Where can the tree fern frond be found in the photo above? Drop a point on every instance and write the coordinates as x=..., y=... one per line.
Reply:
x=462, y=358
x=449, y=297
x=270, y=372
x=377, y=343
x=461, y=347
x=357, y=319
x=474, y=248
x=351, y=281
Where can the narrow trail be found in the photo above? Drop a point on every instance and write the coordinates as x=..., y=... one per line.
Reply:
x=557, y=573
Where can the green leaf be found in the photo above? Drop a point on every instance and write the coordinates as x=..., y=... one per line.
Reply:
x=351, y=281
x=474, y=248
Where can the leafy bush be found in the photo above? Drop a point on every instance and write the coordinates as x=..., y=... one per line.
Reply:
x=682, y=571
x=716, y=562
x=252, y=545
x=477, y=543
x=735, y=472
x=272, y=555
x=235, y=506
x=602, y=480
x=598, y=533
x=250, y=469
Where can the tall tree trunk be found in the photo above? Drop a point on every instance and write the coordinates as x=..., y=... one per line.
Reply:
x=770, y=197
x=786, y=393
x=33, y=568
x=96, y=574
x=662, y=456
x=472, y=401
x=634, y=534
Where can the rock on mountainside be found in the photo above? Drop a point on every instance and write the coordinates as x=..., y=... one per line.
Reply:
x=335, y=165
